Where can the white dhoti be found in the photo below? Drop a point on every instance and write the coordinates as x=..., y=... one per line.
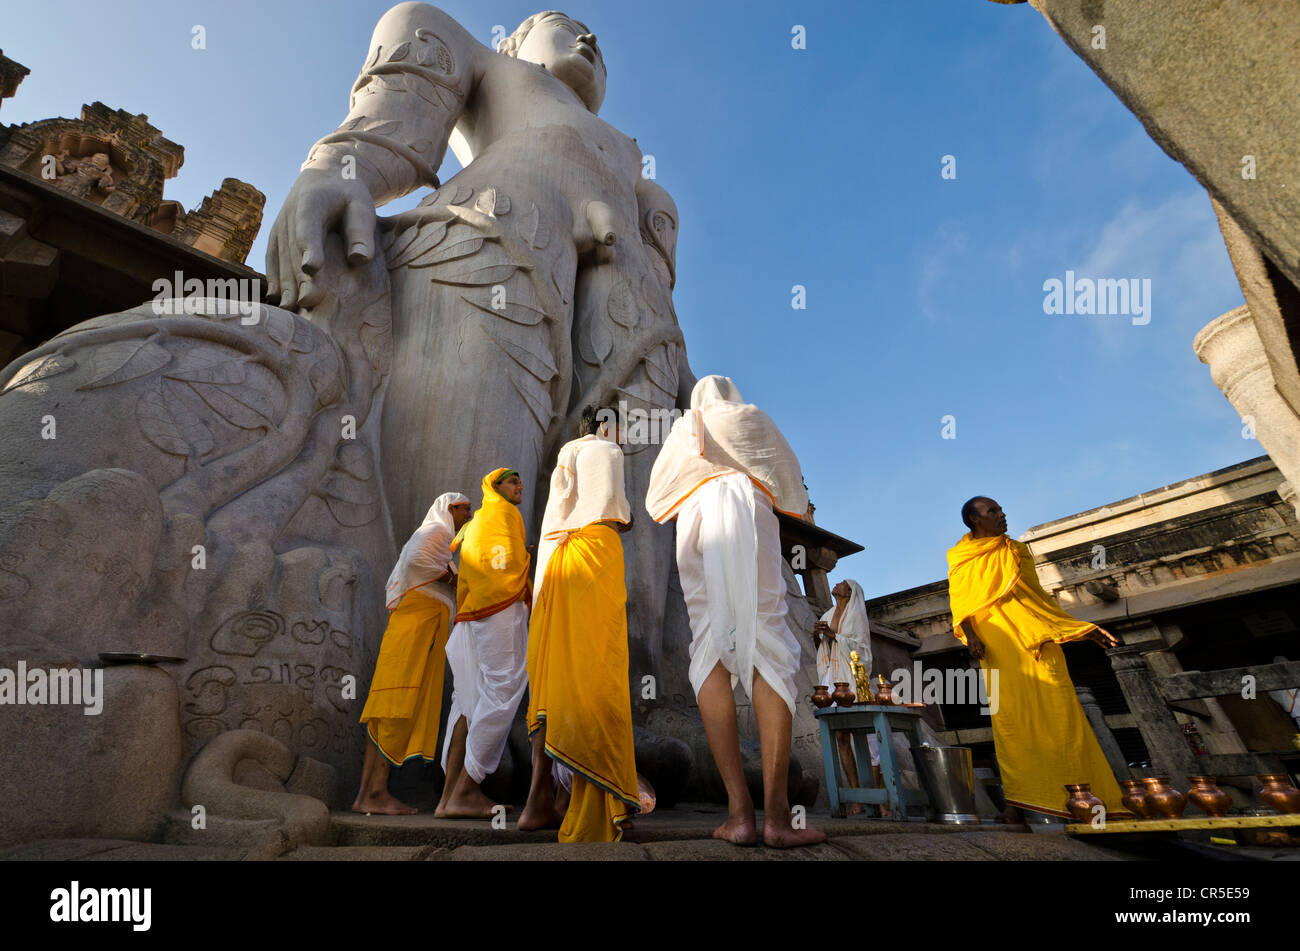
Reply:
x=729, y=560
x=488, y=661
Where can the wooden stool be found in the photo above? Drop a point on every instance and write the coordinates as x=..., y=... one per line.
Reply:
x=860, y=722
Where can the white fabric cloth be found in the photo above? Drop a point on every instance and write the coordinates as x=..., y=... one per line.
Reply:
x=718, y=435
x=729, y=561
x=834, y=665
x=586, y=486
x=488, y=660
x=426, y=555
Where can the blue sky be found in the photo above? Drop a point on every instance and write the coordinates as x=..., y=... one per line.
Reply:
x=818, y=167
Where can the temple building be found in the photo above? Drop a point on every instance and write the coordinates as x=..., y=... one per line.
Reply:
x=1200, y=581
x=85, y=229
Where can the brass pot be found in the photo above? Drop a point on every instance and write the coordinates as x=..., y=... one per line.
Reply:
x=843, y=696
x=1135, y=799
x=885, y=693
x=1208, y=797
x=1278, y=793
x=1167, y=800
x=1081, y=801
x=821, y=698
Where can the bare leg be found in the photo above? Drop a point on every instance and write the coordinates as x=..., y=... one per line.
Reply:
x=455, y=765
x=373, y=796
x=718, y=711
x=774, y=735
x=880, y=784
x=850, y=770
x=540, y=812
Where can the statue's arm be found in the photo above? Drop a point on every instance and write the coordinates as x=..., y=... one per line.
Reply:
x=421, y=69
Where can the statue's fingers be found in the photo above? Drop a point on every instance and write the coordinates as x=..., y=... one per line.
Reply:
x=288, y=279
x=309, y=227
x=358, y=231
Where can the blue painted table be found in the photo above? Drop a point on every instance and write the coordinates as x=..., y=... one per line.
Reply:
x=859, y=722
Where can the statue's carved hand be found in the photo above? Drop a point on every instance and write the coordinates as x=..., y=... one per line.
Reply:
x=321, y=200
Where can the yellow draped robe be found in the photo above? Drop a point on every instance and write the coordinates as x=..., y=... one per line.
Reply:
x=494, y=559
x=403, y=710
x=1040, y=732
x=578, y=681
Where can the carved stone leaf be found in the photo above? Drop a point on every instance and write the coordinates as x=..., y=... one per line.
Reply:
x=421, y=146
x=200, y=367
x=602, y=341
x=661, y=369
x=448, y=98
x=397, y=243
x=461, y=194
x=493, y=274
x=524, y=352
x=399, y=54
x=323, y=374
x=536, y=396
x=461, y=249
x=352, y=124
x=391, y=83
x=124, y=360
x=352, y=501
x=170, y=424
x=427, y=90
x=303, y=341
x=51, y=365
x=377, y=342
x=279, y=326
x=384, y=127
x=517, y=311
x=526, y=225
x=429, y=239
x=621, y=305
x=491, y=202
x=543, y=235
x=354, y=459
x=243, y=407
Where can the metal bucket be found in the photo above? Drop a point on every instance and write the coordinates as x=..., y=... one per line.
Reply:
x=948, y=775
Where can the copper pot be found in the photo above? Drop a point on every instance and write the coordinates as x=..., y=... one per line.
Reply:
x=885, y=693
x=1135, y=799
x=1167, y=800
x=821, y=698
x=1081, y=802
x=1278, y=793
x=1208, y=797
x=843, y=696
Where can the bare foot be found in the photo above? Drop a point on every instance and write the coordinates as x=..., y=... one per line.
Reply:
x=538, y=818
x=856, y=809
x=469, y=805
x=383, y=804
x=738, y=830
x=782, y=835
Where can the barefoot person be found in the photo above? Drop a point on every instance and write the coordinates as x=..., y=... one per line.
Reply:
x=488, y=645
x=1012, y=625
x=842, y=629
x=579, y=702
x=402, y=710
x=721, y=471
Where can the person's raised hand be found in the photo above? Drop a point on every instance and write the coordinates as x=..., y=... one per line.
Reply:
x=975, y=646
x=320, y=201
x=1104, y=638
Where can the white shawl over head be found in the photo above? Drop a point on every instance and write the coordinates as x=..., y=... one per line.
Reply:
x=854, y=635
x=721, y=434
x=426, y=555
x=586, y=486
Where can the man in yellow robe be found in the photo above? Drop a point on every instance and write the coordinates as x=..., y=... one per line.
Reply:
x=488, y=646
x=580, y=705
x=1012, y=625
x=405, y=701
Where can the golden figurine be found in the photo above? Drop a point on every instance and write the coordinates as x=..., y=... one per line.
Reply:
x=861, y=678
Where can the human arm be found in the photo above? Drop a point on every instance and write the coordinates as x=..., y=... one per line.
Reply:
x=973, y=643
x=419, y=72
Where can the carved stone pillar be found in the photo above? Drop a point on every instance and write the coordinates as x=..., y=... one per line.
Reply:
x=1239, y=365
x=1161, y=732
x=1109, y=747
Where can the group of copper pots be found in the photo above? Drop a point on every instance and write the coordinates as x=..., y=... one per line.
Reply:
x=1154, y=798
x=845, y=697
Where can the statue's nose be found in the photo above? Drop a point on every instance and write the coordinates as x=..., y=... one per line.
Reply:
x=588, y=38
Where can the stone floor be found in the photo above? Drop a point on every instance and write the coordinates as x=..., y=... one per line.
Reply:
x=680, y=834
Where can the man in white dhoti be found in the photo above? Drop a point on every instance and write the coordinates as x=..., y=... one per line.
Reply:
x=843, y=629
x=720, y=473
x=488, y=646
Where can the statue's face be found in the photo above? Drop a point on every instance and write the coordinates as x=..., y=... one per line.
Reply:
x=569, y=52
